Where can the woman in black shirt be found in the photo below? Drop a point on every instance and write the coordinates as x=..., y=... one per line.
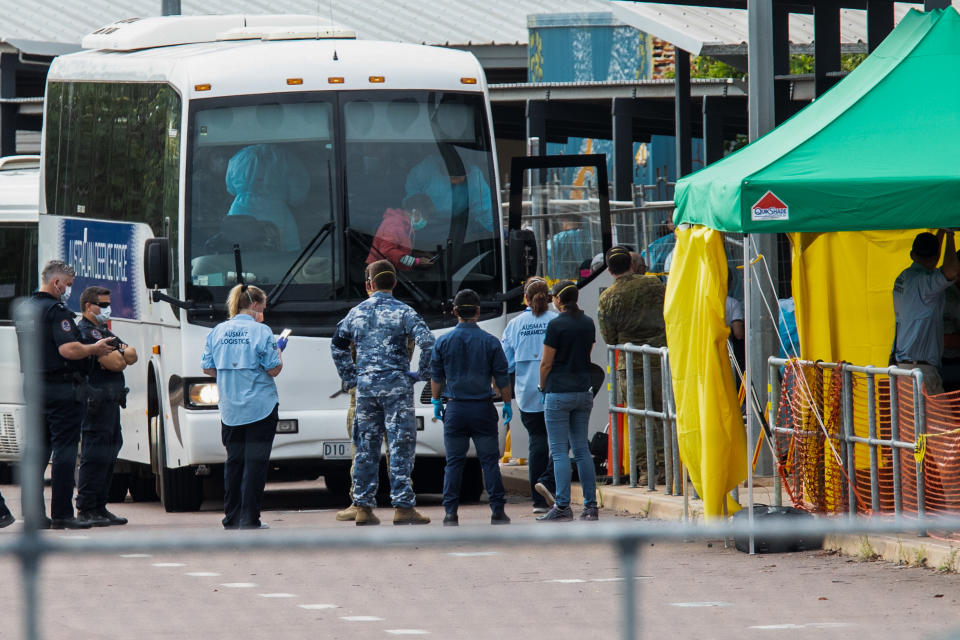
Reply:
x=565, y=381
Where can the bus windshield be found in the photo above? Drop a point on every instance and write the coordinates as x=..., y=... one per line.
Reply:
x=266, y=176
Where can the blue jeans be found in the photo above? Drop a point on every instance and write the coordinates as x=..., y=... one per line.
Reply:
x=463, y=420
x=567, y=415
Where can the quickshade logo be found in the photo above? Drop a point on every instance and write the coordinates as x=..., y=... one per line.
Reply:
x=770, y=207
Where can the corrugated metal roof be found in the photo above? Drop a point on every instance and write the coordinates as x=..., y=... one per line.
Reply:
x=443, y=22
x=710, y=29
x=454, y=22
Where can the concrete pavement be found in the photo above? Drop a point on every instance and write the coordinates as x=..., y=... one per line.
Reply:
x=906, y=549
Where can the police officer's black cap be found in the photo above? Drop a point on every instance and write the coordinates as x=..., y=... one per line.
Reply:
x=467, y=299
x=925, y=245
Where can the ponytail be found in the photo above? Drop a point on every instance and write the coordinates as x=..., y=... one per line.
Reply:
x=537, y=295
x=243, y=297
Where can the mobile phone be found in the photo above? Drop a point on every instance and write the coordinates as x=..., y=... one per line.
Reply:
x=285, y=333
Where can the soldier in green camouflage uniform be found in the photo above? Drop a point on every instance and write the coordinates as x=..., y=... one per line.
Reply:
x=631, y=310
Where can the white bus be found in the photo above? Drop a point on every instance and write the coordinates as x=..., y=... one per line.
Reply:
x=19, y=183
x=181, y=152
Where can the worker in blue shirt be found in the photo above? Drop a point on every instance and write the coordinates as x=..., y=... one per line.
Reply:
x=464, y=363
x=244, y=357
x=380, y=328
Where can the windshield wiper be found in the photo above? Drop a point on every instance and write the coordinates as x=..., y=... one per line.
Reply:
x=306, y=254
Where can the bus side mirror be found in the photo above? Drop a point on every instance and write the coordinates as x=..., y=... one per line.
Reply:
x=522, y=254
x=156, y=263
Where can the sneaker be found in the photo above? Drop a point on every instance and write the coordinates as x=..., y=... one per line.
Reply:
x=558, y=514
x=348, y=514
x=365, y=517
x=451, y=520
x=93, y=519
x=541, y=509
x=543, y=491
x=409, y=515
x=499, y=517
x=6, y=518
x=589, y=513
x=112, y=517
x=69, y=523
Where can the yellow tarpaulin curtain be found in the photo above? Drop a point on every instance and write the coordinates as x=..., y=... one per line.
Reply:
x=843, y=292
x=710, y=428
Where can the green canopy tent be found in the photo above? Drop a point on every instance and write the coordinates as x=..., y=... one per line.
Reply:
x=877, y=152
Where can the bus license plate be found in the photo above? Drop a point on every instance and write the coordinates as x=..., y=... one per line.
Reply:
x=337, y=449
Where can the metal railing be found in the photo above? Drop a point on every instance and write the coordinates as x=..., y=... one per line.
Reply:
x=666, y=417
x=30, y=547
x=847, y=439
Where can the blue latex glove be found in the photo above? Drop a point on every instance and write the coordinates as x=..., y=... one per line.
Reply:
x=413, y=375
x=282, y=344
x=507, y=413
x=437, y=408
x=543, y=397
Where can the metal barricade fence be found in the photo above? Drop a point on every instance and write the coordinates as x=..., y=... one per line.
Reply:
x=890, y=392
x=666, y=416
x=31, y=547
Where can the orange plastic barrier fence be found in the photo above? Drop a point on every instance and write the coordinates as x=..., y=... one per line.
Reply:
x=813, y=458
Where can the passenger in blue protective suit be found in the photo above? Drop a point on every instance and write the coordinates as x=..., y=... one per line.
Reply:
x=523, y=346
x=454, y=189
x=379, y=328
x=568, y=250
x=242, y=354
x=265, y=180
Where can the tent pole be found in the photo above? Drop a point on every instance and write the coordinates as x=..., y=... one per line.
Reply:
x=748, y=374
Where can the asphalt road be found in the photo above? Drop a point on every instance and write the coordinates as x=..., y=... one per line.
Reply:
x=696, y=589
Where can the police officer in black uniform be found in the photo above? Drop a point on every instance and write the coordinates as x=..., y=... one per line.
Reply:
x=62, y=393
x=101, y=438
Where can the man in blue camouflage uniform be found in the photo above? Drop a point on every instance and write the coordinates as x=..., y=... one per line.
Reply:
x=379, y=328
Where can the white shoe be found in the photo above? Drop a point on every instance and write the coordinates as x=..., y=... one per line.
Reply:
x=543, y=491
x=541, y=509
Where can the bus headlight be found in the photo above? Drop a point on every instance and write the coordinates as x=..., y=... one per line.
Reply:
x=202, y=395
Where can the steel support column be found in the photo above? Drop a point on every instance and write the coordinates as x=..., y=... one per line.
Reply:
x=879, y=22
x=8, y=111
x=712, y=129
x=760, y=66
x=537, y=123
x=623, y=110
x=682, y=102
x=826, y=45
x=761, y=338
x=781, y=63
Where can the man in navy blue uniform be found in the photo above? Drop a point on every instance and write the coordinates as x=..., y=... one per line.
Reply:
x=464, y=363
x=101, y=438
x=379, y=328
x=48, y=325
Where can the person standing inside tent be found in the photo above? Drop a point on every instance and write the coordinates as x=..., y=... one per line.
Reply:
x=918, y=301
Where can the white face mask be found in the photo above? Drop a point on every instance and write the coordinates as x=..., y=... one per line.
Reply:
x=65, y=295
x=104, y=314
